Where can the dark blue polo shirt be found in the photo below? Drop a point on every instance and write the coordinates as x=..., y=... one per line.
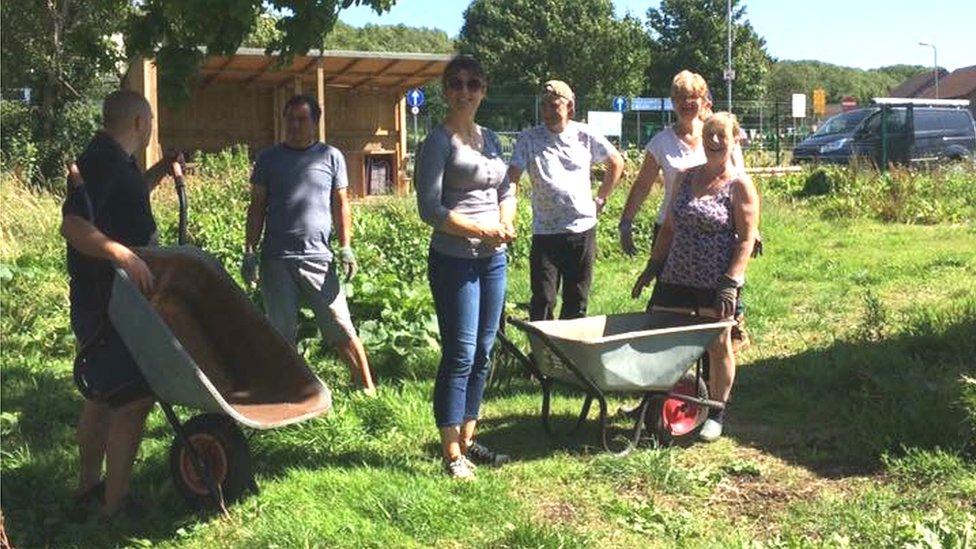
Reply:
x=122, y=211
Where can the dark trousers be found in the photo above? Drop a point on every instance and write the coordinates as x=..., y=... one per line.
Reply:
x=566, y=259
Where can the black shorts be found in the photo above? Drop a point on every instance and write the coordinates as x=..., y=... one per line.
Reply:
x=686, y=297
x=104, y=370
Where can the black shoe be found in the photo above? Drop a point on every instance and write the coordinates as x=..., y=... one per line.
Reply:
x=481, y=455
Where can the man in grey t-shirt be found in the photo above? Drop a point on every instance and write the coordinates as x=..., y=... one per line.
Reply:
x=295, y=188
x=558, y=156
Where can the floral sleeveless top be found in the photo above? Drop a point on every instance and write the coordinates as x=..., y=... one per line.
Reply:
x=704, y=236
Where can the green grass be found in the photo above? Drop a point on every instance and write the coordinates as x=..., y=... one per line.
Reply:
x=848, y=425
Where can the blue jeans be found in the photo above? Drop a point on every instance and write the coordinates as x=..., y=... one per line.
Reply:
x=469, y=295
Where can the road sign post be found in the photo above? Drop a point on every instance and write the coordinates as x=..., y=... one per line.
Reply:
x=415, y=99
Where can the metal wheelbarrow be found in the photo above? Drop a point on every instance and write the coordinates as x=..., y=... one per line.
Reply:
x=652, y=354
x=200, y=343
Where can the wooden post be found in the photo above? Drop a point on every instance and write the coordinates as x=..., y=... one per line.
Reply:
x=279, y=106
x=297, y=82
x=320, y=97
x=141, y=78
x=400, y=164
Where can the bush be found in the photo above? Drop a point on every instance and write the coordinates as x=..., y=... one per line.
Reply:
x=40, y=154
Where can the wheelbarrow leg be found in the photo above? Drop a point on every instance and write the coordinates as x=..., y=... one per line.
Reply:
x=583, y=413
x=546, y=388
x=199, y=465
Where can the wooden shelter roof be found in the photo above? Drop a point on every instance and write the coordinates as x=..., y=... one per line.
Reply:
x=344, y=69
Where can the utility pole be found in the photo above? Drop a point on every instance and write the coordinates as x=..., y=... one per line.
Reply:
x=729, y=74
x=935, y=65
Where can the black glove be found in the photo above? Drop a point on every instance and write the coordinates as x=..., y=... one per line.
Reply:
x=725, y=296
x=650, y=272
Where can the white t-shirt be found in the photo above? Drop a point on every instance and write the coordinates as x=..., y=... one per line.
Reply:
x=559, y=168
x=675, y=157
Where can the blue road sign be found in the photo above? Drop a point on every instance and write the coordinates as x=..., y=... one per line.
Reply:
x=415, y=97
x=619, y=104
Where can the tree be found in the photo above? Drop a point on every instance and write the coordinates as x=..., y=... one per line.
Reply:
x=396, y=38
x=174, y=31
x=523, y=43
x=788, y=77
x=65, y=52
x=693, y=35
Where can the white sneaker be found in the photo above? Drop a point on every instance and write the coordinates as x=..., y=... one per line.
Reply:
x=460, y=468
x=710, y=431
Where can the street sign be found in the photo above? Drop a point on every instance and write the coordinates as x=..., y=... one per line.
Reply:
x=667, y=105
x=414, y=110
x=606, y=123
x=819, y=102
x=848, y=103
x=646, y=103
x=415, y=97
x=619, y=104
x=799, y=105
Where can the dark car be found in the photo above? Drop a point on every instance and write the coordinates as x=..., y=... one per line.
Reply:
x=831, y=143
x=917, y=131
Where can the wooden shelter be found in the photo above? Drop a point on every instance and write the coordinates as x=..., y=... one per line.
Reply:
x=239, y=100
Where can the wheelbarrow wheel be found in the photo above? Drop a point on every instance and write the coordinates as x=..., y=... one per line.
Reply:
x=221, y=445
x=677, y=422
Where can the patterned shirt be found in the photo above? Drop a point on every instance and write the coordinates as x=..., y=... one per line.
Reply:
x=559, y=168
x=704, y=236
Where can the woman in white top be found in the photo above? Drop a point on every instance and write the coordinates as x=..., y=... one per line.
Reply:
x=673, y=150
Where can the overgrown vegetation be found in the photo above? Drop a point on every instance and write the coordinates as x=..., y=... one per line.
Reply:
x=852, y=422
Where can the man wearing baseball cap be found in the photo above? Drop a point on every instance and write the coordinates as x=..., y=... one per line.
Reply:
x=558, y=155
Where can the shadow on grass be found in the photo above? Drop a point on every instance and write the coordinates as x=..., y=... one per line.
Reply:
x=837, y=410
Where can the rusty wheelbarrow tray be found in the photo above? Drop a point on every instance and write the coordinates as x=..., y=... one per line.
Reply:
x=200, y=343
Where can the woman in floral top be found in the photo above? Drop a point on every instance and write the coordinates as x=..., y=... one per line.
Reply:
x=701, y=253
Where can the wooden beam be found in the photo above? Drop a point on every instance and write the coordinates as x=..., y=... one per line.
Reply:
x=380, y=72
x=141, y=78
x=415, y=74
x=249, y=81
x=297, y=85
x=213, y=76
x=320, y=97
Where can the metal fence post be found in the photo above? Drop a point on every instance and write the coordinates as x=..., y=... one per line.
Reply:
x=884, y=138
x=776, y=135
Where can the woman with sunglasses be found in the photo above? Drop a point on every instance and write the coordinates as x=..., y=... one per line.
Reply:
x=464, y=194
x=701, y=252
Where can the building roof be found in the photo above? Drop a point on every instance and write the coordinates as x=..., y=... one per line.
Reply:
x=345, y=69
x=961, y=84
x=917, y=84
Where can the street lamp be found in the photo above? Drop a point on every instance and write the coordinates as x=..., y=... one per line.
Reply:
x=729, y=73
x=935, y=65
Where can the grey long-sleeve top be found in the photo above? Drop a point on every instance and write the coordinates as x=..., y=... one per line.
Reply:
x=451, y=177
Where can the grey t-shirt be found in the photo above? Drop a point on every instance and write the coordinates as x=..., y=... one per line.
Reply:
x=452, y=177
x=300, y=184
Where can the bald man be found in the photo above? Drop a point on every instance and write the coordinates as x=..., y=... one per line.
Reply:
x=102, y=219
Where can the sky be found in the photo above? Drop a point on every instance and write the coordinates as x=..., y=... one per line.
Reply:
x=857, y=33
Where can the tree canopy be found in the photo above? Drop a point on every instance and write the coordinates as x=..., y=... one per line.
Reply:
x=692, y=34
x=523, y=43
x=788, y=77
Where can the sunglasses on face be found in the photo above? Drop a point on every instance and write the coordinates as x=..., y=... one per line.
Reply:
x=473, y=85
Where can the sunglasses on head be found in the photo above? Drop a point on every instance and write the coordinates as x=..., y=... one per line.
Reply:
x=473, y=85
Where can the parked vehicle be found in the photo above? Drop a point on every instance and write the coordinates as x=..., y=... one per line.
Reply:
x=916, y=131
x=831, y=142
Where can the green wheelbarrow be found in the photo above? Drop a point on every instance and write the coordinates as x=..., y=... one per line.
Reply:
x=652, y=354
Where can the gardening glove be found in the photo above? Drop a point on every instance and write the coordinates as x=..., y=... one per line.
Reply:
x=627, y=237
x=650, y=272
x=249, y=268
x=726, y=295
x=757, y=247
x=348, y=260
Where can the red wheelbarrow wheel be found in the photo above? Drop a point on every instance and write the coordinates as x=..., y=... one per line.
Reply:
x=221, y=445
x=678, y=421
